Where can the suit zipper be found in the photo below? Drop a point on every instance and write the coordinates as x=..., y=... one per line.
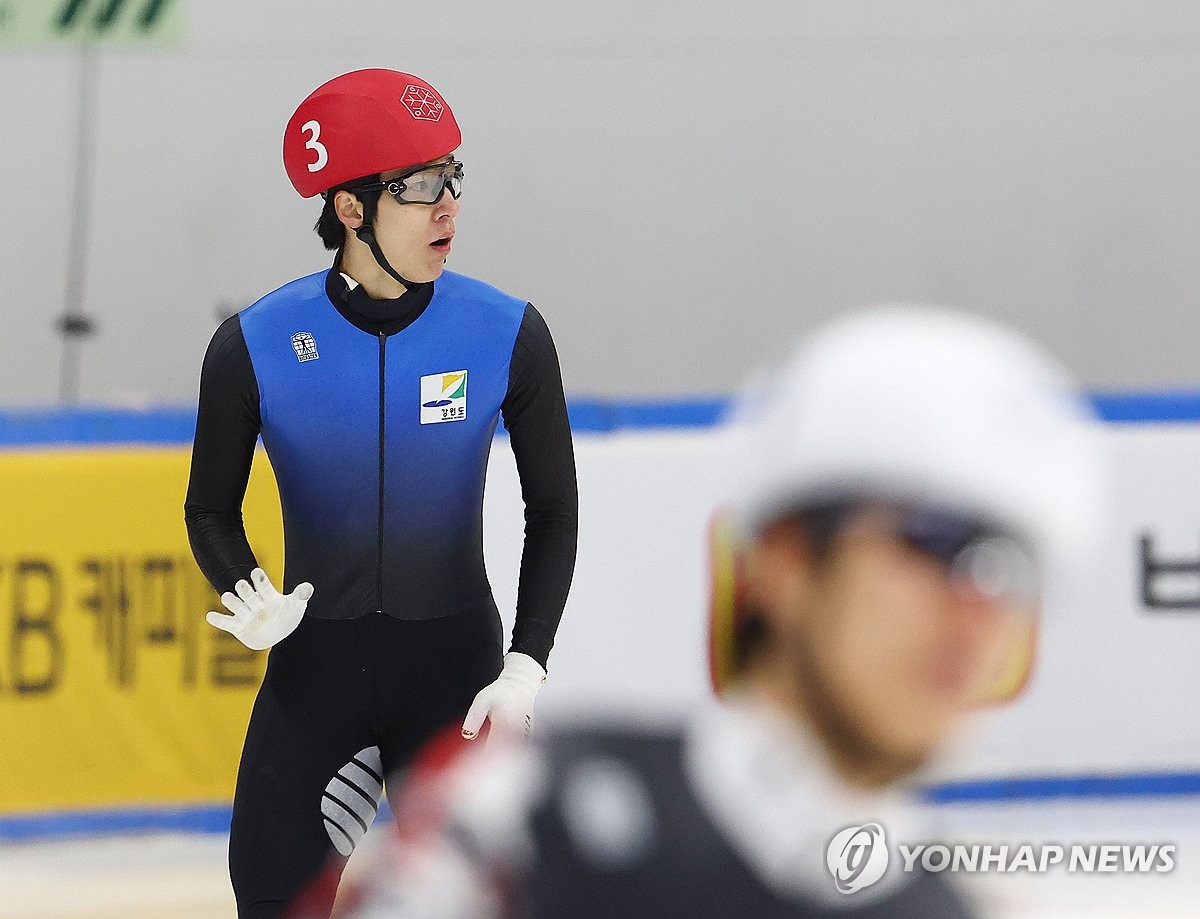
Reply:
x=379, y=563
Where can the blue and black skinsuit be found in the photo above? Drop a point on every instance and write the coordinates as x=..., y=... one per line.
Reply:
x=378, y=417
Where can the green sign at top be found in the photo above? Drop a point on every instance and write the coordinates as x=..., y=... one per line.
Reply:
x=72, y=22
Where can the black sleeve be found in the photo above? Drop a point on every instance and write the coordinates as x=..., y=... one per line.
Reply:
x=535, y=415
x=227, y=427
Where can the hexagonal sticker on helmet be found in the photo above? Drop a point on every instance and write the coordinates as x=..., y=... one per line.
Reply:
x=421, y=103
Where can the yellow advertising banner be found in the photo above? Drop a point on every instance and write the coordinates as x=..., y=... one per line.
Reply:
x=114, y=691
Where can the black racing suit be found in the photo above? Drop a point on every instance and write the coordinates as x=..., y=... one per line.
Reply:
x=384, y=517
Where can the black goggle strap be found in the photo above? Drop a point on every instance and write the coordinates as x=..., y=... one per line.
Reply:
x=366, y=234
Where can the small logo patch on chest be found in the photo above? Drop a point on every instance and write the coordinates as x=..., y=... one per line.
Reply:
x=444, y=397
x=305, y=347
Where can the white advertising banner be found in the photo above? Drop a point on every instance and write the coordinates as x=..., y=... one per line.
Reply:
x=1114, y=687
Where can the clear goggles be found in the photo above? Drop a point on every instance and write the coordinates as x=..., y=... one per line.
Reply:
x=424, y=185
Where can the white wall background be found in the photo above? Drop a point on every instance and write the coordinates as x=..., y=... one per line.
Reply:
x=678, y=185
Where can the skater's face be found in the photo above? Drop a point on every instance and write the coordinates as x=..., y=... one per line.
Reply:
x=876, y=643
x=415, y=238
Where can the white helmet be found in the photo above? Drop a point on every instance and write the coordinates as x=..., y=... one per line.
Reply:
x=927, y=404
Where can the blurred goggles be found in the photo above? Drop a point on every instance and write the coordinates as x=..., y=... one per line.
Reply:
x=969, y=549
x=424, y=185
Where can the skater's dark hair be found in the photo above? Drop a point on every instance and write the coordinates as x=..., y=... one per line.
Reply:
x=328, y=227
x=819, y=525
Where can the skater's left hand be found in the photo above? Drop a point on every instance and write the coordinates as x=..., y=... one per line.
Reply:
x=508, y=702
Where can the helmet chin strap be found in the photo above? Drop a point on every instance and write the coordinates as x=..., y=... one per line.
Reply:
x=367, y=235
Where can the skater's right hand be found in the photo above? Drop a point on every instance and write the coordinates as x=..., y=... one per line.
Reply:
x=507, y=703
x=262, y=616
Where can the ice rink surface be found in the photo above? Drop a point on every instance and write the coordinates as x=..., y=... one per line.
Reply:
x=183, y=876
x=167, y=876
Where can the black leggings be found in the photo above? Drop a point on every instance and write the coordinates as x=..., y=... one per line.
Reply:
x=342, y=699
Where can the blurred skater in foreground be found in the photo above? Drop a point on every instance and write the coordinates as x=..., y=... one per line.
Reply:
x=907, y=481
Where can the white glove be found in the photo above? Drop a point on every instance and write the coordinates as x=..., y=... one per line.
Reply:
x=508, y=701
x=262, y=616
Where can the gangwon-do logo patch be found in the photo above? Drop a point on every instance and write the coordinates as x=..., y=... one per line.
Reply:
x=305, y=347
x=444, y=397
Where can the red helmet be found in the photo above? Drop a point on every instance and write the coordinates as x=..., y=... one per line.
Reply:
x=363, y=123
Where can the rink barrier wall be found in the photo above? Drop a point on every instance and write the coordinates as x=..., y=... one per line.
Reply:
x=98, y=425
x=162, y=426
x=215, y=818
x=124, y=428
